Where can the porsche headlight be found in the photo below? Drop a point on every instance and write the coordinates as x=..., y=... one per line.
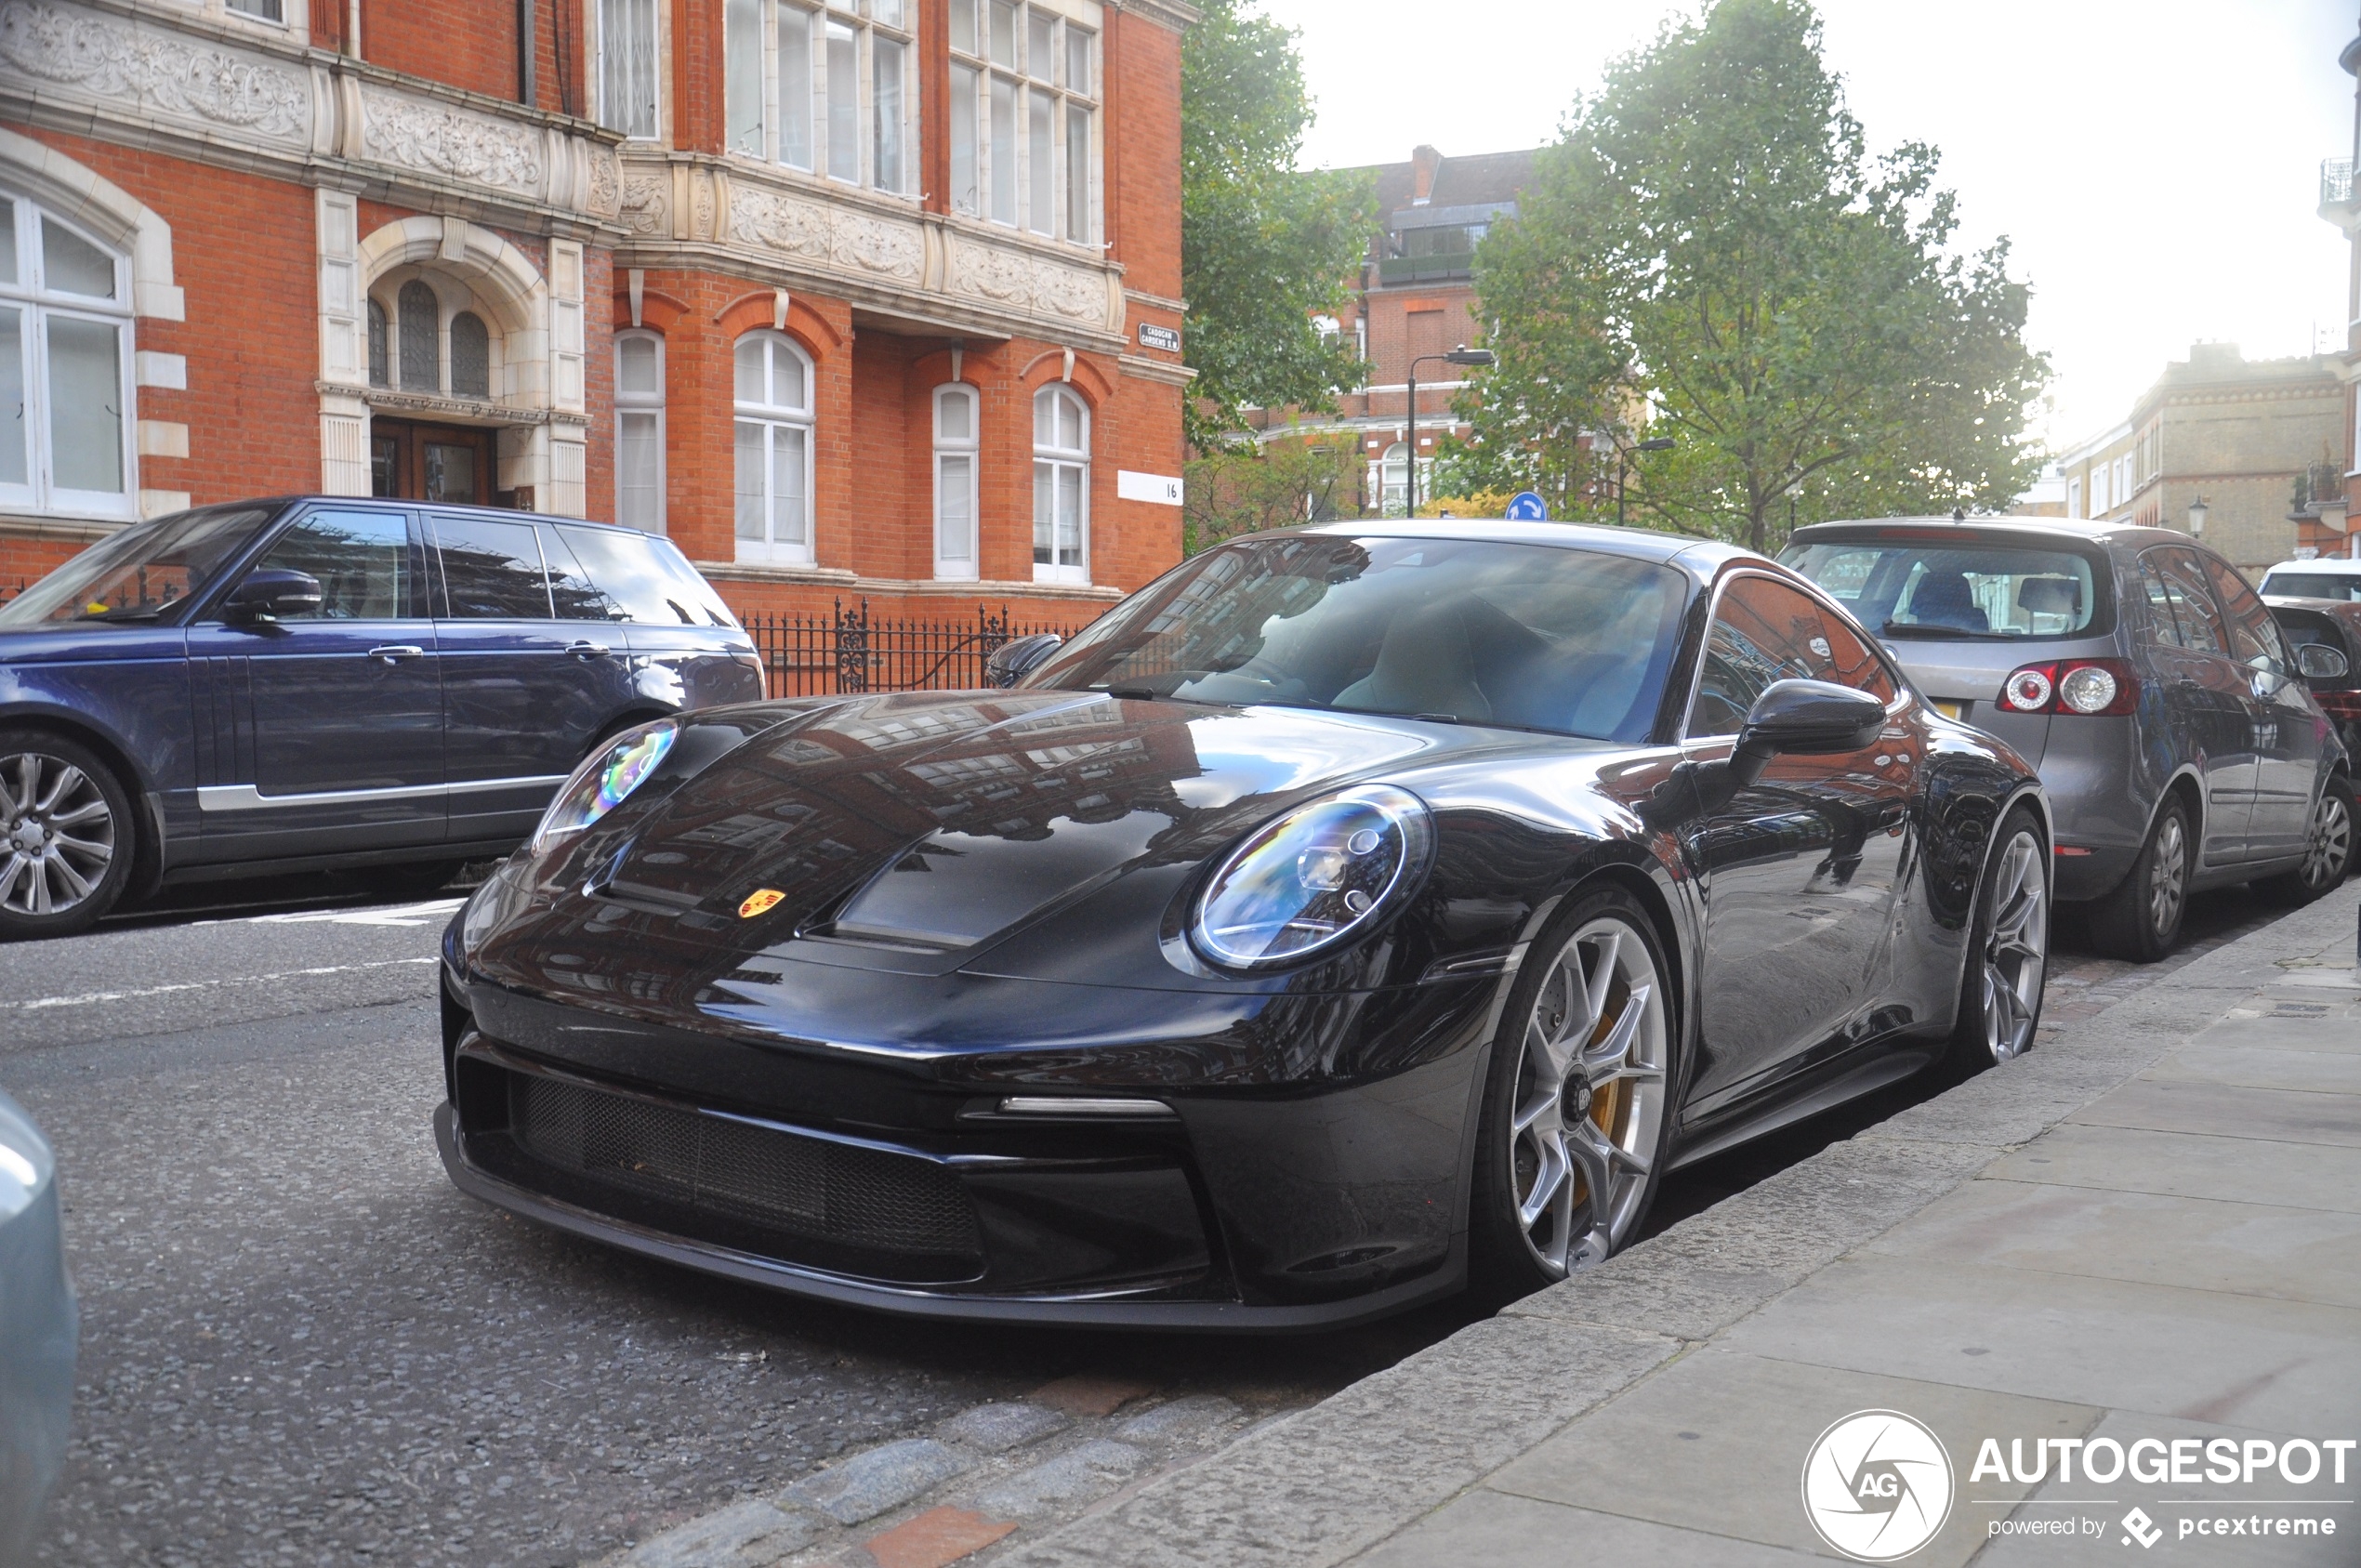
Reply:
x=1310, y=879
x=606, y=780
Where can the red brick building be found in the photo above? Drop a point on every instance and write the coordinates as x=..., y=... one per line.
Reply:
x=1415, y=296
x=849, y=296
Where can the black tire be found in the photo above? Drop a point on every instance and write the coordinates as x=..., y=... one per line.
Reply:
x=1618, y=1123
x=2140, y=920
x=2001, y=987
x=2327, y=852
x=67, y=836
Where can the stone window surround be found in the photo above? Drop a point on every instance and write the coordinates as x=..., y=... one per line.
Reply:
x=104, y=210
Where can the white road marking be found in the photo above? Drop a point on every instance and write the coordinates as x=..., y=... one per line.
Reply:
x=90, y=997
x=399, y=915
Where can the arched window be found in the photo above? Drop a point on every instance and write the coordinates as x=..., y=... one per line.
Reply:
x=773, y=449
x=1393, y=480
x=638, y=421
x=418, y=319
x=65, y=362
x=380, y=370
x=470, y=356
x=1060, y=487
x=956, y=429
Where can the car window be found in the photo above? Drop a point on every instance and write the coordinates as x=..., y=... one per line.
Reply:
x=2253, y=641
x=2197, y=620
x=1938, y=585
x=572, y=593
x=2312, y=584
x=644, y=579
x=2164, y=627
x=141, y=573
x=492, y=570
x=361, y=559
x=1764, y=631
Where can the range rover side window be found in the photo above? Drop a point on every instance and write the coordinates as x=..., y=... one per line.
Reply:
x=361, y=559
x=492, y=570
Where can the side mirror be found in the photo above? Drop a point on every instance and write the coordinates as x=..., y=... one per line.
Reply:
x=2320, y=662
x=1012, y=661
x=272, y=592
x=1807, y=718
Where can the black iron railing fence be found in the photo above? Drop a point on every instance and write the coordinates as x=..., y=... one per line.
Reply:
x=853, y=648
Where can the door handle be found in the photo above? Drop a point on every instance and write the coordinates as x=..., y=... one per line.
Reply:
x=588, y=650
x=390, y=651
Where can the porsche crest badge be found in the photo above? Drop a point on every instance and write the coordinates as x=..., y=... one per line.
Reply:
x=760, y=904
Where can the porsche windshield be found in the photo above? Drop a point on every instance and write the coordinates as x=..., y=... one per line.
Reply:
x=1529, y=637
x=141, y=574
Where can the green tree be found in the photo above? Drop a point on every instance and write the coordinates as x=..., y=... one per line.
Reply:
x=1263, y=248
x=1712, y=254
x=1245, y=487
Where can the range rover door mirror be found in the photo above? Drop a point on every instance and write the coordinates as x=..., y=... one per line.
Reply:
x=1011, y=662
x=2320, y=662
x=268, y=594
x=1807, y=718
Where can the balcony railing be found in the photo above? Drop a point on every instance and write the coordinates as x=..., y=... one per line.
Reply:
x=2336, y=182
x=1398, y=270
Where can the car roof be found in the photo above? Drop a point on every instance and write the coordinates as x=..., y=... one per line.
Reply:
x=2031, y=530
x=2342, y=608
x=506, y=513
x=2335, y=565
x=1702, y=559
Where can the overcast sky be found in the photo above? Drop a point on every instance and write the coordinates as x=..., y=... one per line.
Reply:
x=2154, y=162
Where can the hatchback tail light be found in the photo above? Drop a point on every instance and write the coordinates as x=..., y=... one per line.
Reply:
x=2084, y=688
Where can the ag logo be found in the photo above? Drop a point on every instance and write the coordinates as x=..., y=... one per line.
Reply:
x=762, y=902
x=1877, y=1485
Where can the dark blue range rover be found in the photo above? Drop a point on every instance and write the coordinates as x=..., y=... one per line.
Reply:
x=327, y=684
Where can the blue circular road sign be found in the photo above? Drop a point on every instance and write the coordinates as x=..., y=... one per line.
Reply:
x=1526, y=505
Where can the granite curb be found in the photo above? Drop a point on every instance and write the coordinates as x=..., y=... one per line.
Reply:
x=1328, y=1483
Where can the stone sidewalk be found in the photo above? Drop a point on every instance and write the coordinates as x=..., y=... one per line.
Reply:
x=2150, y=1228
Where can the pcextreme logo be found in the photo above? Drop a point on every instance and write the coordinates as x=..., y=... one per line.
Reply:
x=1877, y=1485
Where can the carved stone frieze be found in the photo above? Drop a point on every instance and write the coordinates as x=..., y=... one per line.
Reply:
x=606, y=182
x=1069, y=292
x=645, y=203
x=896, y=250
x=110, y=57
x=782, y=223
x=985, y=272
x=417, y=134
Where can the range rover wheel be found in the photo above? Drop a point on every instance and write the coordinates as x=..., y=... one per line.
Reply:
x=66, y=836
x=2328, y=850
x=1570, y=1150
x=2140, y=920
x=2009, y=953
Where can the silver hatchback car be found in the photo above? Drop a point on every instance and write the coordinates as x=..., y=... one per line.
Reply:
x=2138, y=671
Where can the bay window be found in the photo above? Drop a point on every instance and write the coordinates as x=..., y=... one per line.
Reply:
x=1024, y=118
x=830, y=88
x=65, y=368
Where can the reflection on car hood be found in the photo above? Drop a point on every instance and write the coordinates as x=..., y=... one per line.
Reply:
x=936, y=821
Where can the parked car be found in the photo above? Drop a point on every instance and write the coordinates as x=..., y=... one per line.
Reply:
x=38, y=1332
x=2330, y=578
x=322, y=683
x=1350, y=911
x=2180, y=746
x=2327, y=635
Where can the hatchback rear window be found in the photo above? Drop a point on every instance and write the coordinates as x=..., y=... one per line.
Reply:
x=2312, y=584
x=1946, y=589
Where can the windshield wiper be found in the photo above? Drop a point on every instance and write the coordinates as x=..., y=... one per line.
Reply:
x=1944, y=633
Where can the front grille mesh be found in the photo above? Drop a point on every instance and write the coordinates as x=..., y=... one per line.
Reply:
x=835, y=1192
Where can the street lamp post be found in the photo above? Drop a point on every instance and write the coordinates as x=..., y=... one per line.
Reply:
x=1482, y=358
x=1623, y=463
x=2198, y=511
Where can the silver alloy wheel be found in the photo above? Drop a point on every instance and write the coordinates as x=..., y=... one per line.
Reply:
x=1589, y=1097
x=2327, y=853
x=2168, y=881
x=57, y=834
x=2016, y=950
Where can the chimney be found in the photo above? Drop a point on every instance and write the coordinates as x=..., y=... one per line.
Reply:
x=1424, y=161
x=2214, y=357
